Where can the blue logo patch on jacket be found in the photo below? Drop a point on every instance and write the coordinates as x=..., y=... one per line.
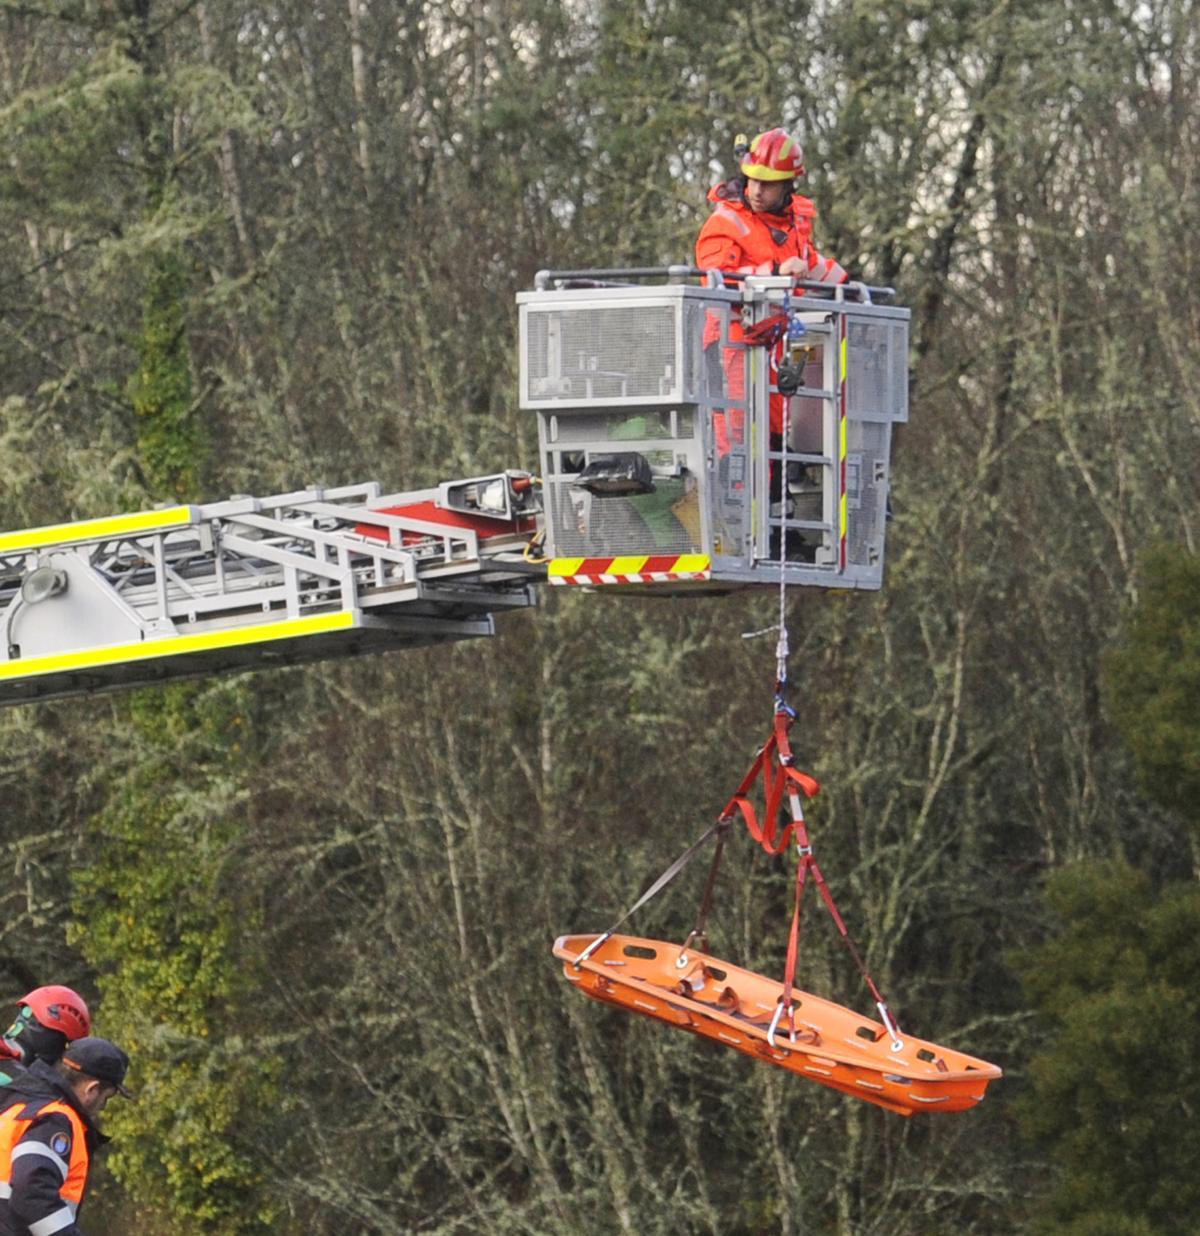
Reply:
x=60, y=1143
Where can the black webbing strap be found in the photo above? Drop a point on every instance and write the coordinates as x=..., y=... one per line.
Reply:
x=663, y=880
x=699, y=933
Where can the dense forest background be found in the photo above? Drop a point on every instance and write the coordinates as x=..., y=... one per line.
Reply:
x=244, y=247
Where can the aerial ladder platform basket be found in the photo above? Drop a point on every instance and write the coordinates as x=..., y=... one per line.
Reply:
x=658, y=461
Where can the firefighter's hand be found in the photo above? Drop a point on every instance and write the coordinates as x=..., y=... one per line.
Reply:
x=794, y=266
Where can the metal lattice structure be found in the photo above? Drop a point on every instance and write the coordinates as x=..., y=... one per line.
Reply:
x=661, y=466
x=108, y=603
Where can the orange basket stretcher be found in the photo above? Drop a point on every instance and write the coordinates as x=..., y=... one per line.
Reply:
x=822, y=1041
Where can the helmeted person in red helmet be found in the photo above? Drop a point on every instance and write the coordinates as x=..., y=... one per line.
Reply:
x=47, y=1020
x=760, y=226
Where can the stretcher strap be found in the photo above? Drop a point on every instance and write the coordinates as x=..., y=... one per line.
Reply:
x=699, y=932
x=773, y=764
x=663, y=880
x=806, y=864
x=793, y=949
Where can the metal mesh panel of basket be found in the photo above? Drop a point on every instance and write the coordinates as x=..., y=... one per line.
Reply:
x=869, y=444
x=666, y=521
x=869, y=381
x=612, y=352
x=900, y=370
x=703, y=374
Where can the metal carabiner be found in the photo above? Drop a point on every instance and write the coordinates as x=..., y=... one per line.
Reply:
x=885, y=1015
x=775, y=1024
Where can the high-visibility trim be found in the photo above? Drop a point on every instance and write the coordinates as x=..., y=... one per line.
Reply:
x=53, y=1222
x=727, y=212
x=37, y=1148
x=630, y=569
x=180, y=645
x=96, y=529
x=843, y=501
x=15, y=1123
x=843, y=505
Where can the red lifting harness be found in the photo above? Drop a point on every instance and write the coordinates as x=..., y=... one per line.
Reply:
x=775, y=765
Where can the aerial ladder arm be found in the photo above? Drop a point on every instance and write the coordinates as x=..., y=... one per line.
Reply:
x=111, y=603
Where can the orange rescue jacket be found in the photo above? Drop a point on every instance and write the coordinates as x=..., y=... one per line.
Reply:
x=736, y=240
x=18, y=1120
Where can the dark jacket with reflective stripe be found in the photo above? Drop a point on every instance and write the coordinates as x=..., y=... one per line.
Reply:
x=46, y=1145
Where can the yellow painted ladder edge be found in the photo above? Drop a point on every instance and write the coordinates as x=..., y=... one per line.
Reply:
x=179, y=645
x=96, y=529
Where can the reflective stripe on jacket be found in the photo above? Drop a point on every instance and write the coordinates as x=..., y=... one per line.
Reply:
x=45, y=1154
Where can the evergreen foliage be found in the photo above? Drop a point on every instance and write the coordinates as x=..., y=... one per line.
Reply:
x=1113, y=1095
x=1114, y=1089
x=160, y=917
x=1153, y=681
x=168, y=444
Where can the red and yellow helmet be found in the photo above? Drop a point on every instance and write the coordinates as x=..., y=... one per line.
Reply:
x=773, y=156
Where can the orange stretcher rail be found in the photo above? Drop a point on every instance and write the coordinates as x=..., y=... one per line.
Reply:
x=826, y=1043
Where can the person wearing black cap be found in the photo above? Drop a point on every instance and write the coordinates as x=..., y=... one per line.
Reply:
x=48, y=1135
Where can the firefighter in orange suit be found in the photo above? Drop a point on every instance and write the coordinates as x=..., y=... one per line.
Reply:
x=48, y=1135
x=760, y=226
